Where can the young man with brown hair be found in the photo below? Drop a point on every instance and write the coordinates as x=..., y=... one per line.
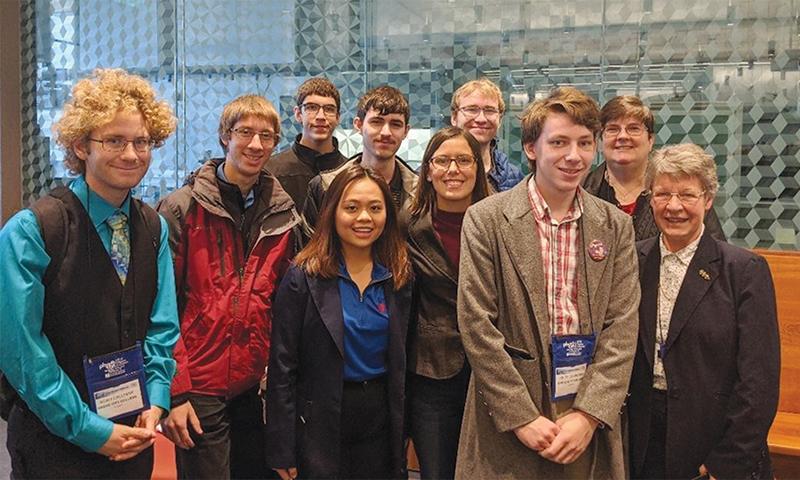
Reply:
x=382, y=119
x=315, y=150
x=231, y=234
x=547, y=309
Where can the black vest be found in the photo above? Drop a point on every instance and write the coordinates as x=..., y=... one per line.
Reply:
x=86, y=309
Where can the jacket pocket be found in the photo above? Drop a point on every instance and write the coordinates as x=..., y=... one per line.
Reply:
x=518, y=353
x=304, y=410
x=530, y=371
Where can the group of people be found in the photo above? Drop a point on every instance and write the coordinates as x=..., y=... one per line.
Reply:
x=323, y=309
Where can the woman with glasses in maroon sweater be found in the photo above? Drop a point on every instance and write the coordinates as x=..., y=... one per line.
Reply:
x=452, y=178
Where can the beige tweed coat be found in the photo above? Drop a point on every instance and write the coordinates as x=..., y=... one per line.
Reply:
x=505, y=328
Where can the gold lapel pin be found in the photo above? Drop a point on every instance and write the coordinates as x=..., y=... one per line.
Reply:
x=705, y=275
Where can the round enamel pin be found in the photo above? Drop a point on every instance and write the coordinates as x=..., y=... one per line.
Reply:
x=597, y=250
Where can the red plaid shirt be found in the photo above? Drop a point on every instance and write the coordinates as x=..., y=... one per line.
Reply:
x=560, y=245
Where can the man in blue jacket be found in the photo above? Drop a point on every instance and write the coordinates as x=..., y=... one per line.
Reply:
x=478, y=107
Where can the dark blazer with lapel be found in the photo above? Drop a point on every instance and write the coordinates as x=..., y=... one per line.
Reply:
x=306, y=374
x=722, y=363
x=434, y=344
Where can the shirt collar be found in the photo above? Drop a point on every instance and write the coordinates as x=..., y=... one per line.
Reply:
x=397, y=179
x=685, y=254
x=379, y=272
x=542, y=211
x=99, y=210
x=251, y=195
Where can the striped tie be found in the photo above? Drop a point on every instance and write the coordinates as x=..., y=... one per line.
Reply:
x=120, y=245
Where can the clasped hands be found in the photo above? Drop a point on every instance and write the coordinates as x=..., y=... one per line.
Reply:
x=562, y=441
x=126, y=442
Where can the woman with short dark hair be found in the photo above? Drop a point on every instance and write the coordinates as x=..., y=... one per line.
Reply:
x=628, y=136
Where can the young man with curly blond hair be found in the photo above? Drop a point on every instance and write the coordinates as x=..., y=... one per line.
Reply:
x=88, y=288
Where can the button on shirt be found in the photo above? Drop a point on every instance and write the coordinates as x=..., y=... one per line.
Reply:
x=366, y=325
x=560, y=246
x=26, y=356
x=670, y=278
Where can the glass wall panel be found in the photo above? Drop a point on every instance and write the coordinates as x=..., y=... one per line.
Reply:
x=724, y=74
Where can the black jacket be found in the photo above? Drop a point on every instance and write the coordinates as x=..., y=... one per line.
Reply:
x=296, y=166
x=722, y=363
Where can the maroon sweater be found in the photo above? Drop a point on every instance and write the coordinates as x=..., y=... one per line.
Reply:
x=448, y=227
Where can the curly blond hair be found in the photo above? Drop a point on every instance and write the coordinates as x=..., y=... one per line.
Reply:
x=95, y=102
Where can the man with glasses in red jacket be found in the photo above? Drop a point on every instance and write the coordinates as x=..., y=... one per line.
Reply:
x=231, y=235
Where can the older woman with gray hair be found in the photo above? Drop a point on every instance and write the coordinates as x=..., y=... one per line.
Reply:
x=704, y=388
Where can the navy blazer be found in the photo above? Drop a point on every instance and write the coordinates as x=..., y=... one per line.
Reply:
x=306, y=374
x=722, y=363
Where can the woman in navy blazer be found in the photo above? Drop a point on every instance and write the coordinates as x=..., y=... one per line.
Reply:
x=335, y=389
x=704, y=388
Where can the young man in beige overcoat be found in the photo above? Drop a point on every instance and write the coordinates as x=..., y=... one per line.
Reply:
x=547, y=268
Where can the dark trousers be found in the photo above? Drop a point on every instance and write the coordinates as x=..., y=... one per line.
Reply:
x=365, y=450
x=435, y=409
x=232, y=444
x=655, y=465
x=37, y=453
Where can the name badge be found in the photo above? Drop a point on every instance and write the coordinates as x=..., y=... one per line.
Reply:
x=116, y=383
x=572, y=354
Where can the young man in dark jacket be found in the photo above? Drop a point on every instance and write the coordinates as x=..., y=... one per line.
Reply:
x=382, y=120
x=231, y=234
x=315, y=149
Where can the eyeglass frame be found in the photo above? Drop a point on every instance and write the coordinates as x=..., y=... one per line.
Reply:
x=685, y=202
x=644, y=128
x=490, y=114
x=149, y=142
x=271, y=140
x=306, y=107
x=473, y=161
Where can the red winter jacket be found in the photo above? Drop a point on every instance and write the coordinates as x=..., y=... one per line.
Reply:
x=224, y=293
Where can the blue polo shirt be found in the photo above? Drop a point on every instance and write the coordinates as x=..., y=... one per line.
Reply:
x=366, y=325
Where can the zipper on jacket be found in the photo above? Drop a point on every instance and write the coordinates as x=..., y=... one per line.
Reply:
x=221, y=251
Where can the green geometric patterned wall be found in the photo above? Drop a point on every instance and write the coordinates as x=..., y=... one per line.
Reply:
x=721, y=73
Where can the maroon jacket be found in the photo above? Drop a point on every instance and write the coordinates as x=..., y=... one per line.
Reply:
x=225, y=293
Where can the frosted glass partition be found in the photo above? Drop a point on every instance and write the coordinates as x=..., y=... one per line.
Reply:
x=721, y=73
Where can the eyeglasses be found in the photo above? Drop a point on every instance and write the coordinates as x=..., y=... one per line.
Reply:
x=119, y=144
x=686, y=198
x=268, y=139
x=313, y=109
x=634, y=130
x=473, y=111
x=443, y=163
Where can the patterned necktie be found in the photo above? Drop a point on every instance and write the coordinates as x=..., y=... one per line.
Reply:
x=120, y=245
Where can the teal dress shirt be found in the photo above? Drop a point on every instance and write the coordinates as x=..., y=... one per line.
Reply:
x=26, y=355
